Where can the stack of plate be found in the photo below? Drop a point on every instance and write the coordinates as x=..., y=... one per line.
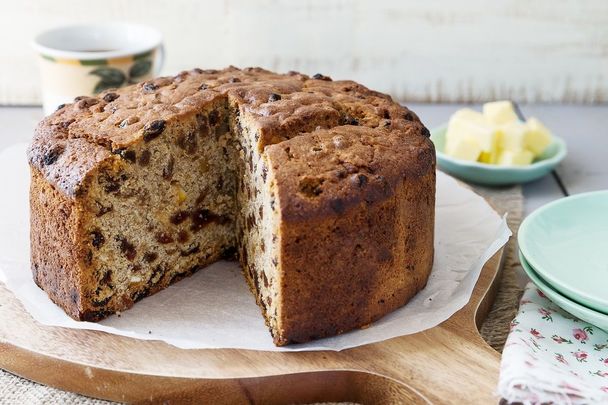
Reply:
x=564, y=250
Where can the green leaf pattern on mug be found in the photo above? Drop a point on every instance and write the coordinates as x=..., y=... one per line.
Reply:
x=113, y=78
x=108, y=78
x=140, y=68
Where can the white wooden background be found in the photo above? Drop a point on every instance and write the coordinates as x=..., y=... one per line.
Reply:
x=466, y=50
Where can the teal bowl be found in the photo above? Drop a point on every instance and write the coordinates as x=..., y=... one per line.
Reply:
x=493, y=175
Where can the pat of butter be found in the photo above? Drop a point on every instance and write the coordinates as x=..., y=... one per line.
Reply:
x=468, y=115
x=469, y=123
x=465, y=148
x=515, y=158
x=489, y=157
x=538, y=137
x=499, y=112
x=513, y=136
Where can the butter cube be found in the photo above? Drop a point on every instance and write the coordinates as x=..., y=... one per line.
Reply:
x=468, y=115
x=513, y=136
x=499, y=112
x=538, y=137
x=510, y=158
x=490, y=157
x=470, y=123
x=465, y=148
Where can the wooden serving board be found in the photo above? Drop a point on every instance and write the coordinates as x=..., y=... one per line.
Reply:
x=447, y=364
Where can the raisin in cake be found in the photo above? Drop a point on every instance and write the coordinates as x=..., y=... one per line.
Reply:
x=324, y=191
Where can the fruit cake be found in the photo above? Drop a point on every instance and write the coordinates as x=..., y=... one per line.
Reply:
x=323, y=190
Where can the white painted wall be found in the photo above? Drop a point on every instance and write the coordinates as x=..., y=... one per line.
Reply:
x=466, y=50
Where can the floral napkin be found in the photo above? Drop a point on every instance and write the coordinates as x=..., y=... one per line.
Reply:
x=552, y=357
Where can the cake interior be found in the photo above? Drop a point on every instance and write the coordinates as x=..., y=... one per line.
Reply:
x=175, y=203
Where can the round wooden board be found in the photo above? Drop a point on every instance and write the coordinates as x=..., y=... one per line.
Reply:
x=447, y=364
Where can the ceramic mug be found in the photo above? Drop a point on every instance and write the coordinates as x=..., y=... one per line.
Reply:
x=83, y=60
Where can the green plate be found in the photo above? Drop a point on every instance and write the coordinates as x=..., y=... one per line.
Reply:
x=586, y=314
x=566, y=242
x=483, y=173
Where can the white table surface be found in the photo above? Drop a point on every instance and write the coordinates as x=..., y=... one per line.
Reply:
x=585, y=129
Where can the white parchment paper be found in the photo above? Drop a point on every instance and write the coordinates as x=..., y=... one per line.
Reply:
x=214, y=308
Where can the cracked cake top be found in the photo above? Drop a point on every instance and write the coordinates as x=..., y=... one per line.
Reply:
x=287, y=111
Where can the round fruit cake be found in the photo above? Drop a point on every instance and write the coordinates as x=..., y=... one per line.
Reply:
x=323, y=190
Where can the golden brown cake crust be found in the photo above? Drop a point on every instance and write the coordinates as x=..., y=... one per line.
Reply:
x=357, y=226
x=354, y=174
x=116, y=118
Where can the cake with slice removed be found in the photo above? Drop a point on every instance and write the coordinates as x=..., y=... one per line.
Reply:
x=324, y=191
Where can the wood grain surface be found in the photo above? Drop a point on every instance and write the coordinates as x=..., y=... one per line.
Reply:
x=447, y=364
x=431, y=51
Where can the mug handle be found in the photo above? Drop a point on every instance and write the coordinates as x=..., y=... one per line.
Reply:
x=160, y=59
